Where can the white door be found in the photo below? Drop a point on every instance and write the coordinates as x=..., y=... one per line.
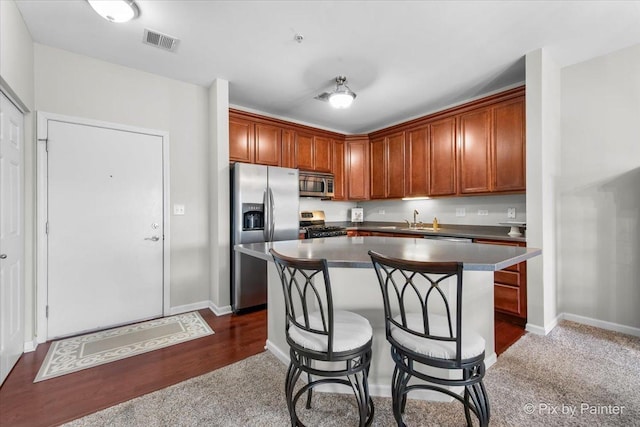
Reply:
x=105, y=227
x=11, y=236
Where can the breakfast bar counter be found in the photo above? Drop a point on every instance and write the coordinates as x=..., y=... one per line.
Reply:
x=355, y=286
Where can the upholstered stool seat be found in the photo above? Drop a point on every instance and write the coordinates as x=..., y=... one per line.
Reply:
x=472, y=343
x=350, y=331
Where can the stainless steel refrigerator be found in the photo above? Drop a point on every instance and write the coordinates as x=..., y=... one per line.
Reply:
x=264, y=208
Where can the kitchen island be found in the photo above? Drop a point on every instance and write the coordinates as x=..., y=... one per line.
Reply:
x=355, y=286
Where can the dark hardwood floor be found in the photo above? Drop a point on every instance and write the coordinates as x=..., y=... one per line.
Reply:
x=62, y=399
x=506, y=334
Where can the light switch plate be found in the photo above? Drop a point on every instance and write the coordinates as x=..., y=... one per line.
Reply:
x=178, y=209
x=511, y=213
x=460, y=212
x=483, y=212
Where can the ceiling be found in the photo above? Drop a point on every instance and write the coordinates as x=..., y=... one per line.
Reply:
x=403, y=58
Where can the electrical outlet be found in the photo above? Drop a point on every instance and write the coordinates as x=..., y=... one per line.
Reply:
x=381, y=211
x=460, y=212
x=511, y=213
x=483, y=212
x=178, y=209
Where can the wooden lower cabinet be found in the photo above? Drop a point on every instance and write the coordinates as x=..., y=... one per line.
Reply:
x=510, y=288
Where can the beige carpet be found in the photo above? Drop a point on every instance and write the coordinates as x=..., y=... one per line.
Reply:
x=97, y=348
x=576, y=376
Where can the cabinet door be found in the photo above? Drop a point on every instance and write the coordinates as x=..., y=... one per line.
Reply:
x=510, y=286
x=288, y=149
x=357, y=169
x=442, y=157
x=241, y=140
x=509, y=151
x=304, y=148
x=322, y=150
x=475, y=152
x=268, y=145
x=338, y=170
x=416, y=162
x=378, y=169
x=395, y=165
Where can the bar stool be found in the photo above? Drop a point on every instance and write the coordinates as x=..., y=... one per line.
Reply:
x=423, y=332
x=317, y=334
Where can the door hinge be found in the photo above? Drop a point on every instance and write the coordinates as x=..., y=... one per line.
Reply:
x=46, y=227
x=47, y=312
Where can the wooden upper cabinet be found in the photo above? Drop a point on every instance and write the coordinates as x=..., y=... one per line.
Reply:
x=387, y=166
x=241, y=139
x=492, y=148
x=338, y=170
x=442, y=157
x=417, y=162
x=289, y=158
x=378, y=169
x=509, y=150
x=314, y=153
x=475, y=151
x=395, y=165
x=304, y=150
x=323, y=150
x=357, y=168
x=268, y=145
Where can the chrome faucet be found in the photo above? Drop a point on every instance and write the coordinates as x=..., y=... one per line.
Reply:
x=415, y=217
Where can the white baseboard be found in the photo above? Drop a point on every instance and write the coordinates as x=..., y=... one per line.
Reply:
x=188, y=307
x=219, y=311
x=603, y=324
x=279, y=354
x=30, y=346
x=543, y=330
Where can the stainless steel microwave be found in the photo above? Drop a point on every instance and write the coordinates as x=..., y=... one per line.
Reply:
x=316, y=184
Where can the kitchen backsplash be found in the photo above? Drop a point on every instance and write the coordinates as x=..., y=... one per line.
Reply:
x=493, y=209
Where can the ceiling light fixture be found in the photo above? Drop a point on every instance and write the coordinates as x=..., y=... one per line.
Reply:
x=115, y=10
x=342, y=97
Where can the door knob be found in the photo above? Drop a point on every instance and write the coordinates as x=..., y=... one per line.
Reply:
x=3, y=256
x=153, y=239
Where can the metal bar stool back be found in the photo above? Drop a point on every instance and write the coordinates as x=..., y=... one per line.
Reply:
x=329, y=346
x=423, y=323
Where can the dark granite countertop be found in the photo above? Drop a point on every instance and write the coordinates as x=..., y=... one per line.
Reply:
x=445, y=230
x=351, y=252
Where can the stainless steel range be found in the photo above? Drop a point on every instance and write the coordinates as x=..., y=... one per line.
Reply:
x=313, y=222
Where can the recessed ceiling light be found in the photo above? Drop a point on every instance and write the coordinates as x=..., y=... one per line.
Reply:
x=115, y=10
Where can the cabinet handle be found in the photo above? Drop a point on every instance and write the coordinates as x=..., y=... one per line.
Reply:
x=3, y=256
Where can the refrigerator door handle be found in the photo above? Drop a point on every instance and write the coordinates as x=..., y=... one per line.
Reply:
x=267, y=213
x=272, y=225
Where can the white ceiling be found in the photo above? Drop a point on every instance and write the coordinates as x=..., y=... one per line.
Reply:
x=403, y=58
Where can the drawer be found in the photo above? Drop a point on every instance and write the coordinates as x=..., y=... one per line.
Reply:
x=507, y=298
x=507, y=277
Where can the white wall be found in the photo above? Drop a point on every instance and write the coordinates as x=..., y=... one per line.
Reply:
x=16, y=79
x=543, y=142
x=219, y=197
x=599, y=197
x=75, y=85
x=16, y=53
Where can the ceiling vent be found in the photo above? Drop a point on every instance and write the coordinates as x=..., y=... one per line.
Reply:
x=160, y=40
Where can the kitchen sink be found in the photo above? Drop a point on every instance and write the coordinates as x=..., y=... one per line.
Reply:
x=419, y=228
x=388, y=227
